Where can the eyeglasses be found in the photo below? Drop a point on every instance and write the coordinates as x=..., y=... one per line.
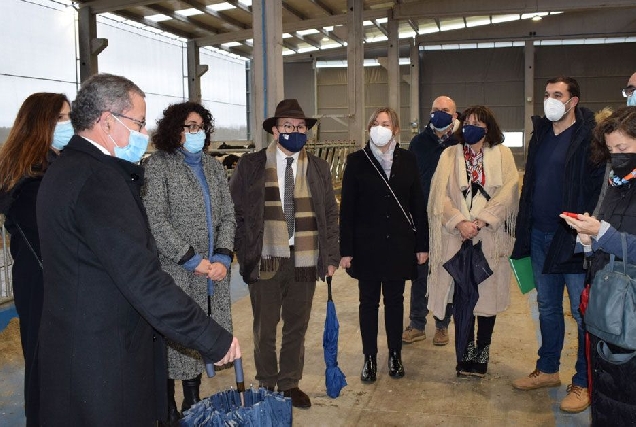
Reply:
x=628, y=91
x=194, y=128
x=289, y=128
x=140, y=123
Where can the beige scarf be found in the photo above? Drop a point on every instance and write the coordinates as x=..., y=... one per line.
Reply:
x=275, y=234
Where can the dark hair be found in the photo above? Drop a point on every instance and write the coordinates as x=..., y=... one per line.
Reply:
x=167, y=137
x=24, y=152
x=493, y=136
x=622, y=120
x=572, y=84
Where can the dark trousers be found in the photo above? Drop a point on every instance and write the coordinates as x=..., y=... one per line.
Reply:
x=393, y=292
x=273, y=299
x=485, y=327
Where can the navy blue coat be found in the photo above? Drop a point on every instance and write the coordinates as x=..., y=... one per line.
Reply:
x=583, y=185
x=102, y=362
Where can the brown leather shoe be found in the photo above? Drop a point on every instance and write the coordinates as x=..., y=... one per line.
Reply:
x=298, y=397
x=537, y=379
x=441, y=336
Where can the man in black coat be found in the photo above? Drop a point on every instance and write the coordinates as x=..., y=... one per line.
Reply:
x=107, y=302
x=427, y=147
x=559, y=177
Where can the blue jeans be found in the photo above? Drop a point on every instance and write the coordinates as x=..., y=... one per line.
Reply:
x=419, y=302
x=551, y=321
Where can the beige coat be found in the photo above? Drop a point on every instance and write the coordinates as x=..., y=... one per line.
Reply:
x=447, y=207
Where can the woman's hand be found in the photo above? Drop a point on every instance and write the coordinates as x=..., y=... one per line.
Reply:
x=422, y=257
x=217, y=271
x=203, y=268
x=467, y=229
x=480, y=223
x=585, y=225
x=345, y=261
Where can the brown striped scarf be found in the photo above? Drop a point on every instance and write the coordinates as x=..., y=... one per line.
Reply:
x=275, y=235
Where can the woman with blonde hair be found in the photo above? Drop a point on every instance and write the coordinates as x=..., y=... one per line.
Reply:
x=383, y=234
x=41, y=129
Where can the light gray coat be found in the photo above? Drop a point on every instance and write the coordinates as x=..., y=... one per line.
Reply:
x=176, y=213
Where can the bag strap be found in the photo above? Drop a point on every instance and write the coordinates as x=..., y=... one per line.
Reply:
x=408, y=218
x=606, y=354
x=624, y=244
x=29, y=244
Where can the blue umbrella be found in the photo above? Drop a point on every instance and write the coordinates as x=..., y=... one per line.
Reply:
x=240, y=407
x=334, y=378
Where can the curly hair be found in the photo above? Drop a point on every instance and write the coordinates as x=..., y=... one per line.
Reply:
x=622, y=120
x=494, y=135
x=167, y=136
x=101, y=92
x=25, y=150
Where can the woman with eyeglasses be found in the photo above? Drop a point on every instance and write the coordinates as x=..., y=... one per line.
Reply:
x=474, y=196
x=41, y=129
x=191, y=216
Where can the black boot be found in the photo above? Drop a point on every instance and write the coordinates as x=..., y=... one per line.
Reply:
x=369, y=369
x=173, y=413
x=481, y=362
x=190, y=392
x=466, y=366
x=396, y=369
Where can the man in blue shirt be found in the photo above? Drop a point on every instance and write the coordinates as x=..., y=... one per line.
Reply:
x=559, y=177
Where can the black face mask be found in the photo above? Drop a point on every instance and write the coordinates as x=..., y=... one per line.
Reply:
x=623, y=163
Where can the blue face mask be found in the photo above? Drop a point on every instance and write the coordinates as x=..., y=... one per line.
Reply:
x=631, y=100
x=473, y=134
x=137, y=145
x=293, y=142
x=194, y=141
x=441, y=120
x=62, y=134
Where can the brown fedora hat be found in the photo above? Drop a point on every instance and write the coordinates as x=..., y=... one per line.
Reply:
x=288, y=108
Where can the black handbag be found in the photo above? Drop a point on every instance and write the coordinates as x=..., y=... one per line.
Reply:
x=611, y=311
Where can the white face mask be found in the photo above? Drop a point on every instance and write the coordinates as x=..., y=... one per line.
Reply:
x=380, y=136
x=554, y=109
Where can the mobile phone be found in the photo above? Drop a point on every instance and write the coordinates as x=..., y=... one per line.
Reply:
x=571, y=215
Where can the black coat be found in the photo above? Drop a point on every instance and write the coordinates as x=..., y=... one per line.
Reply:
x=101, y=361
x=27, y=281
x=583, y=181
x=373, y=229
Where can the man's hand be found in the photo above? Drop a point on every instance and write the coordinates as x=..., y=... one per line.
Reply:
x=345, y=261
x=233, y=353
x=331, y=270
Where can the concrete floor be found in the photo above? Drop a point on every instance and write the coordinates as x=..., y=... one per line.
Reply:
x=429, y=395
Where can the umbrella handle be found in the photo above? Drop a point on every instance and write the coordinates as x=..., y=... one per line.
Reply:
x=238, y=372
x=329, y=298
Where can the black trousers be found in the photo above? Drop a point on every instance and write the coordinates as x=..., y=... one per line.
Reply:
x=485, y=327
x=393, y=292
x=281, y=297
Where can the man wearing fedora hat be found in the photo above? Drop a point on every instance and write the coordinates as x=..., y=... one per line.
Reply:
x=286, y=238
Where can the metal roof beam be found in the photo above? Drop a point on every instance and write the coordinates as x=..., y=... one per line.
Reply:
x=158, y=25
x=201, y=7
x=599, y=23
x=103, y=6
x=180, y=18
x=434, y=8
x=322, y=6
x=290, y=27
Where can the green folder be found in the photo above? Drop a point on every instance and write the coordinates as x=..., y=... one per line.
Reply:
x=522, y=268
